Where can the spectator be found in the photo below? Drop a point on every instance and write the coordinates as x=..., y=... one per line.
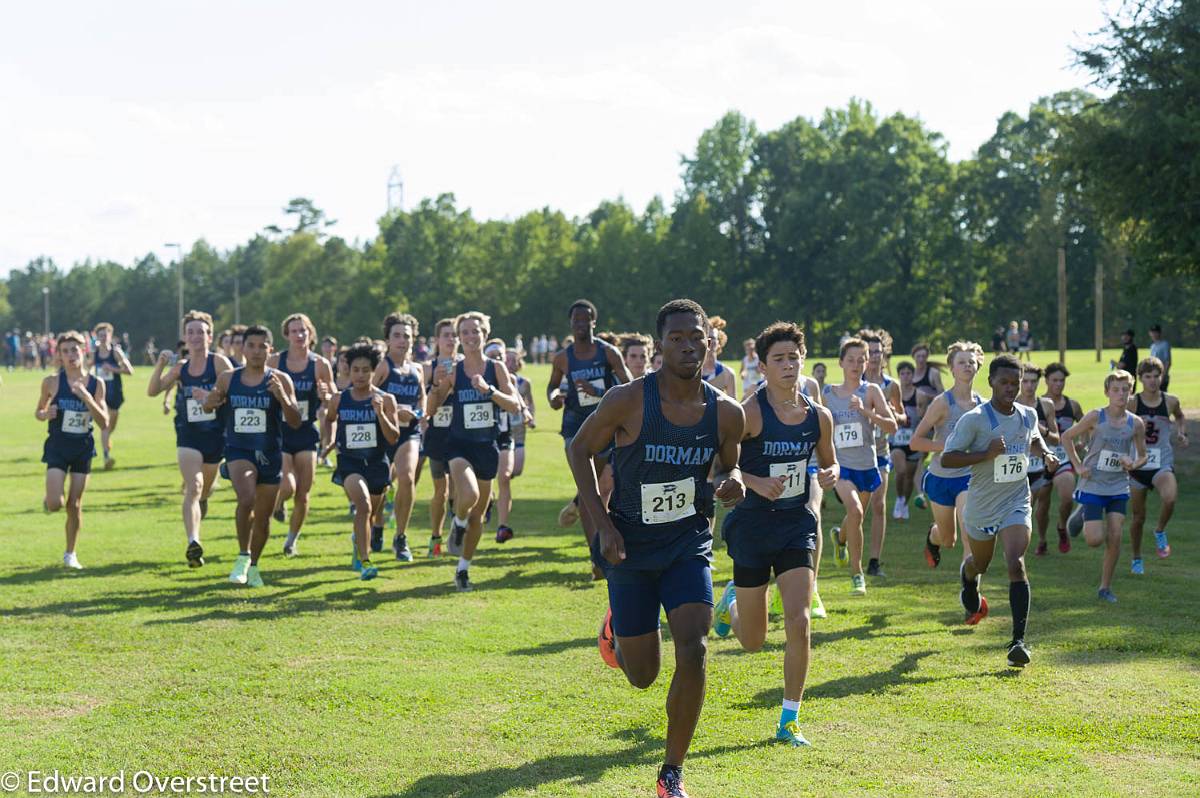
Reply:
x=1129, y=355
x=1012, y=339
x=1025, y=343
x=12, y=349
x=1160, y=349
x=998, y=340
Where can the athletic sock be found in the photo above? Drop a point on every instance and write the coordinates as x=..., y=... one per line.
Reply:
x=874, y=563
x=463, y=564
x=970, y=593
x=291, y=539
x=791, y=709
x=1018, y=598
x=193, y=538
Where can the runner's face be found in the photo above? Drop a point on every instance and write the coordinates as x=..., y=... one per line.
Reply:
x=635, y=360
x=874, y=354
x=447, y=341
x=582, y=323
x=471, y=335
x=1118, y=392
x=1029, y=385
x=1055, y=383
x=1006, y=383
x=361, y=373
x=684, y=345
x=236, y=344
x=327, y=349
x=297, y=334
x=965, y=366
x=226, y=342
x=656, y=361
x=853, y=363
x=783, y=364
x=103, y=336
x=921, y=356
x=1152, y=381
x=906, y=377
x=197, y=335
x=819, y=372
x=71, y=354
x=256, y=350
x=400, y=339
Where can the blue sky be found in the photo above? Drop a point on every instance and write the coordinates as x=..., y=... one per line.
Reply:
x=129, y=125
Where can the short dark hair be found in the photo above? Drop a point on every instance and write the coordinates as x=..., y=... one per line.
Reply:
x=392, y=319
x=636, y=339
x=1004, y=361
x=906, y=365
x=1032, y=369
x=1056, y=368
x=256, y=329
x=586, y=305
x=367, y=351
x=779, y=331
x=238, y=329
x=678, y=306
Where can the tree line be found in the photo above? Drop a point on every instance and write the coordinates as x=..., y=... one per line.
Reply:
x=850, y=219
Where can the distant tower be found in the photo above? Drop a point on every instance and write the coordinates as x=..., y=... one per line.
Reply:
x=395, y=197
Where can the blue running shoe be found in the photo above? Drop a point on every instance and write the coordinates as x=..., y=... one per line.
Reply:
x=1107, y=595
x=790, y=733
x=1137, y=567
x=368, y=571
x=722, y=618
x=1161, y=545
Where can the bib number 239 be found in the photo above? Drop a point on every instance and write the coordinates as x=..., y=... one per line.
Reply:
x=664, y=502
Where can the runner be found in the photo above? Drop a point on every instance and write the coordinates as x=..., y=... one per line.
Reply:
x=237, y=337
x=1117, y=446
x=257, y=397
x=436, y=435
x=1155, y=409
x=361, y=424
x=715, y=373
x=1066, y=412
x=945, y=486
x=71, y=401
x=905, y=460
x=109, y=361
x=475, y=386
x=774, y=527
x=591, y=367
x=636, y=349
x=404, y=380
x=312, y=379
x=927, y=378
x=517, y=422
x=818, y=374
x=858, y=407
x=750, y=372
x=199, y=434
x=879, y=349
x=1040, y=486
x=655, y=540
x=995, y=441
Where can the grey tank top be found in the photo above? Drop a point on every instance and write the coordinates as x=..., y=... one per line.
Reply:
x=853, y=435
x=941, y=432
x=1109, y=442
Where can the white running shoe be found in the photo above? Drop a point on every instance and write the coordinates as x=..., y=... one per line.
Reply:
x=71, y=561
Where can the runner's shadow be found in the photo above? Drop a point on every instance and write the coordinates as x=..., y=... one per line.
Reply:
x=50, y=573
x=555, y=647
x=558, y=772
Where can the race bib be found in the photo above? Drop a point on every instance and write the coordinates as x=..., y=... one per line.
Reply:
x=903, y=437
x=303, y=403
x=360, y=436
x=1153, y=459
x=76, y=422
x=586, y=399
x=478, y=415
x=848, y=436
x=105, y=374
x=664, y=502
x=1036, y=464
x=1060, y=453
x=196, y=413
x=1010, y=467
x=795, y=477
x=503, y=422
x=1109, y=461
x=443, y=416
x=249, y=420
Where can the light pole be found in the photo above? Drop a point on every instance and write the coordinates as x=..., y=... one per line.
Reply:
x=179, y=268
x=46, y=310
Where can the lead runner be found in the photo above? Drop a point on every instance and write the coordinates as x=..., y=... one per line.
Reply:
x=655, y=541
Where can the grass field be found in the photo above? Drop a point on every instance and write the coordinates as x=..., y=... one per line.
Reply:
x=401, y=687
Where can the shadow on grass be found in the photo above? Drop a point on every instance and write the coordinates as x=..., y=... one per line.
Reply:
x=563, y=770
x=554, y=647
x=51, y=573
x=897, y=676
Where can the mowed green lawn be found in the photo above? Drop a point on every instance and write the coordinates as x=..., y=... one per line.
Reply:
x=402, y=687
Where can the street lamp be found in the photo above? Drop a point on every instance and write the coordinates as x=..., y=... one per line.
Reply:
x=179, y=268
x=46, y=309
